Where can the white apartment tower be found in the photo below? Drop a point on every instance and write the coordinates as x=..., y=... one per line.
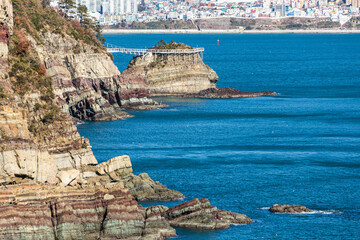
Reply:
x=112, y=7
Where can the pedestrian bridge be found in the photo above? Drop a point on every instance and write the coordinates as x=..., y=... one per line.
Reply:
x=139, y=51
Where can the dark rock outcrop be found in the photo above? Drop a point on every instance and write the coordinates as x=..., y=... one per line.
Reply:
x=228, y=93
x=286, y=208
x=199, y=214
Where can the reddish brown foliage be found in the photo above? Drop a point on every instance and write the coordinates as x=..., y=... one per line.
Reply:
x=42, y=70
x=4, y=34
x=23, y=44
x=76, y=24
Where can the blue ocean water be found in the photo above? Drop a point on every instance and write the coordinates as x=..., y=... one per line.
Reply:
x=299, y=147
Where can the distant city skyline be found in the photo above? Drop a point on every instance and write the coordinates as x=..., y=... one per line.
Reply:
x=110, y=12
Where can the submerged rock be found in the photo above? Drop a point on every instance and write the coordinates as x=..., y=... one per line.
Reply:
x=286, y=208
x=199, y=214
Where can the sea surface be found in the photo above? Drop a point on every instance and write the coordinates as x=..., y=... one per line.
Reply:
x=299, y=147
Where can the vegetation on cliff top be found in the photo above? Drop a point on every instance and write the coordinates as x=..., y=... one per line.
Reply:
x=36, y=18
x=171, y=45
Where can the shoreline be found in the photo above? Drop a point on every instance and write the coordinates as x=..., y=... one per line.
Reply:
x=227, y=31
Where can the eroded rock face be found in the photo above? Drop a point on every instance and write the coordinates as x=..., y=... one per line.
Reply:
x=48, y=212
x=170, y=74
x=286, y=208
x=199, y=214
x=6, y=28
x=24, y=157
x=86, y=81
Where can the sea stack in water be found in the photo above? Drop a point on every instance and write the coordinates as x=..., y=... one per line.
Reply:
x=286, y=208
x=178, y=70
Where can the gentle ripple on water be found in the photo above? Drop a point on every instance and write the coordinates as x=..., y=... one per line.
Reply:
x=300, y=147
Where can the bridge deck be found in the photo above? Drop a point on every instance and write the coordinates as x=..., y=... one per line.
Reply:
x=140, y=51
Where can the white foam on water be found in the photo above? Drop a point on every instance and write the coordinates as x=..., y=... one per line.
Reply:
x=237, y=224
x=327, y=212
x=264, y=208
x=315, y=212
x=321, y=212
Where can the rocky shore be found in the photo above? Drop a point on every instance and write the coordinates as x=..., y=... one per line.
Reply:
x=52, y=187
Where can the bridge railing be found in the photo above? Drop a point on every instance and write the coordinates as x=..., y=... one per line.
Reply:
x=113, y=49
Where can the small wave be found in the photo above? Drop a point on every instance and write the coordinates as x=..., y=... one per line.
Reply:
x=264, y=208
x=238, y=224
x=321, y=212
x=315, y=212
x=326, y=212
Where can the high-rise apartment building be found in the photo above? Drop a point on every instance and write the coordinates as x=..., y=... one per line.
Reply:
x=355, y=3
x=110, y=7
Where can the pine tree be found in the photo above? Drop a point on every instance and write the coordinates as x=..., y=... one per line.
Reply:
x=68, y=4
x=82, y=10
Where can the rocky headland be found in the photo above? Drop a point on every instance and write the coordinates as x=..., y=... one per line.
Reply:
x=52, y=69
x=183, y=74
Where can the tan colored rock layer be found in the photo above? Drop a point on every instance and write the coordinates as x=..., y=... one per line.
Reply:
x=171, y=74
x=25, y=156
x=45, y=212
x=142, y=187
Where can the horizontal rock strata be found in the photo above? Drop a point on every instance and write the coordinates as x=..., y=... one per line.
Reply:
x=86, y=81
x=48, y=212
x=171, y=74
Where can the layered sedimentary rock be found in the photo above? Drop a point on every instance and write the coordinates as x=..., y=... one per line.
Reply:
x=94, y=212
x=183, y=75
x=52, y=186
x=286, y=208
x=86, y=81
x=171, y=74
x=24, y=156
x=199, y=214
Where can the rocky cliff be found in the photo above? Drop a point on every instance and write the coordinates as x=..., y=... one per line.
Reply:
x=86, y=81
x=52, y=186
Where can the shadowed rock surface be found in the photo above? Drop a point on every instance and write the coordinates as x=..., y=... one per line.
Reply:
x=199, y=214
x=286, y=208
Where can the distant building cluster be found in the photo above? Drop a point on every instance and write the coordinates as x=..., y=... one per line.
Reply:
x=110, y=12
